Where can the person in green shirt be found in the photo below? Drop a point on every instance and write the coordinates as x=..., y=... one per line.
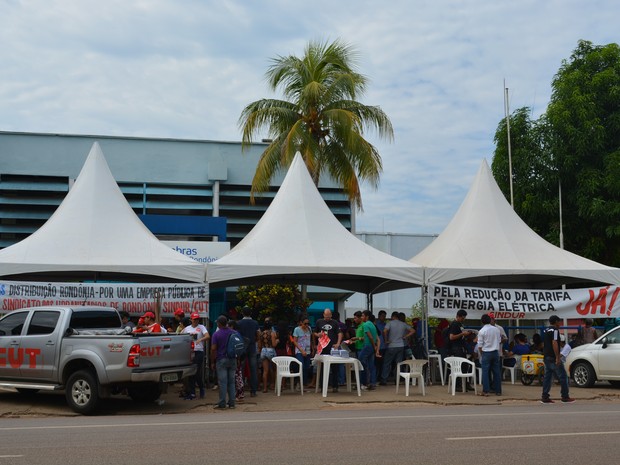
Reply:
x=359, y=333
x=370, y=350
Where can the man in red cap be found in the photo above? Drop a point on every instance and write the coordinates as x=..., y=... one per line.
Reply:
x=200, y=335
x=150, y=323
x=179, y=316
x=140, y=328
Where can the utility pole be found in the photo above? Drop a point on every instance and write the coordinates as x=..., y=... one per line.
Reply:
x=560, y=208
x=507, y=111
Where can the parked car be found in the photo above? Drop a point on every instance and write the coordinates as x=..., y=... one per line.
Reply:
x=597, y=361
x=86, y=352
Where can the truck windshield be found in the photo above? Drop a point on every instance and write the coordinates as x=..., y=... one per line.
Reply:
x=95, y=319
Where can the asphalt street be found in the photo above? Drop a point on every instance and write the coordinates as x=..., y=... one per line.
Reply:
x=361, y=434
x=378, y=427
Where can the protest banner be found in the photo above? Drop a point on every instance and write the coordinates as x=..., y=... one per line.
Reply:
x=518, y=304
x=134, y=298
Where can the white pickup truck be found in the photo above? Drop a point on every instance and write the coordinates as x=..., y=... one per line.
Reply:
x=86, y=352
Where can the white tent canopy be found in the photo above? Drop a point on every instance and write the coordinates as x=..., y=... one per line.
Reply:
x=298, y=240
x=487, y=244
x=95, y=230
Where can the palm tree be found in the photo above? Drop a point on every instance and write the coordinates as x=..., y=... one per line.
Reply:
x=320, y=118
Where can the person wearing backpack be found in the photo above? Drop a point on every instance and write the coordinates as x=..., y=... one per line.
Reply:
x=225, y=365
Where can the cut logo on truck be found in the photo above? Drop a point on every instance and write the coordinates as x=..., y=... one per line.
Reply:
x=151, y=351
x=116, y=347
x=15, y=358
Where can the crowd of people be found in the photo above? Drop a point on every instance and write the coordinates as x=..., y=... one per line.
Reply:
x=379, y=344
x=369, y=339
x=490, y=350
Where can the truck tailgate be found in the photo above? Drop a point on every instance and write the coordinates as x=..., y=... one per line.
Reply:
x=164, y=350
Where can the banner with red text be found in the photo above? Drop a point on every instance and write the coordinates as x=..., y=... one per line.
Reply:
x=135, y=298
x=533, y=304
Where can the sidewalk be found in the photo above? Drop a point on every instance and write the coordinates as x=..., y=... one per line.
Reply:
x=13, y=404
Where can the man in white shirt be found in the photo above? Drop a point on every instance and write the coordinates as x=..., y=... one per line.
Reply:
x=200, y=335
x=489, y=340
x=502, y=342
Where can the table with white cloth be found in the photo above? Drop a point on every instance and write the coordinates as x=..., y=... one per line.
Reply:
x=327, y=360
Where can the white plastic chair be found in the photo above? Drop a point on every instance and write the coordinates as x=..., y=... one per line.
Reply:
x=415, y=372
x=513, y=369
x=283, y=365
x=457, y=372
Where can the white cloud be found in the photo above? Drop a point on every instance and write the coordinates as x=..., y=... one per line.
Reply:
x=170, y=69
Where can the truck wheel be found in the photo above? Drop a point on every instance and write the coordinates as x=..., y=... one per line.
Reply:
x=583, y=375
x=82, y=392
x=144, y=393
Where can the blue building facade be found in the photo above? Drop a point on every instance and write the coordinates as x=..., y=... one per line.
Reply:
x=191, y=179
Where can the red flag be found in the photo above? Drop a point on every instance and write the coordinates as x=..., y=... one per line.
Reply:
x=323, y=342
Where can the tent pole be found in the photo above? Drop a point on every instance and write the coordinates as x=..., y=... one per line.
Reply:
x=424, y=290
x=425, y=332
x=565, y=323
x=425, y=310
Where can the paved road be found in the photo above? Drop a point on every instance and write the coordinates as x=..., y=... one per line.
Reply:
x=580, y=433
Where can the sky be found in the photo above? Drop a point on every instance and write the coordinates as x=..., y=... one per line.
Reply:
x=186, y=69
